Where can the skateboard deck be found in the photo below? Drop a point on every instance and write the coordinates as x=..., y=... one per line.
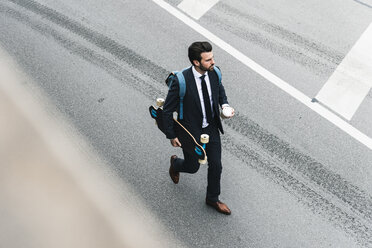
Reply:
x=188, y=141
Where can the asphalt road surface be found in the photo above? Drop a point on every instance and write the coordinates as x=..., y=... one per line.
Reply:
x=291, y=177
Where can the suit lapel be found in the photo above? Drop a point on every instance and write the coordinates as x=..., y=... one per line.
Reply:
x=214, y=87
x=189, y=77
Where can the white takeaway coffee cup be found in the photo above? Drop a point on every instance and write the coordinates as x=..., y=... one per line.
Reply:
x=227, y=112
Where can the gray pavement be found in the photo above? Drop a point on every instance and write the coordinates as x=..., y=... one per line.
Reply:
x=291, y=178
x=54, y=190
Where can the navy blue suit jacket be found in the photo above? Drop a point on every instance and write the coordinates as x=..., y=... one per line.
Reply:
x=192, y=111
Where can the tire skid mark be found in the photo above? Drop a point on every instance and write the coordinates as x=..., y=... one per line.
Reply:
x=278, y=40
x=105, y=43
x=360, y=202
x=318, y=204
x=313, y=46
x=144, y=85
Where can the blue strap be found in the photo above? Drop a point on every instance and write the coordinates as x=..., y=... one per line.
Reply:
x=182, y=85
x=217, y=70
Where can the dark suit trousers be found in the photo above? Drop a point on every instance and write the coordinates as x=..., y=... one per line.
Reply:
x=190, y=164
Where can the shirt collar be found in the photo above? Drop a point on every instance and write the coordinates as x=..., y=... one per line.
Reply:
x=197, y=74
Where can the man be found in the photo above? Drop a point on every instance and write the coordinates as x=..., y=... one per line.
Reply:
x=201, y=114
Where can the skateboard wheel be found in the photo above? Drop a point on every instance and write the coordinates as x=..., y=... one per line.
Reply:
x=160, y=102
x=203, y=161
x=204, y=138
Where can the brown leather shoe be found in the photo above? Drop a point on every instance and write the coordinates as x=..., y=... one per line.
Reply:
x=219, y=206
x=175, y=176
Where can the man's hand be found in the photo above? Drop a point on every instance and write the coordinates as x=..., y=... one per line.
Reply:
x=175, y=142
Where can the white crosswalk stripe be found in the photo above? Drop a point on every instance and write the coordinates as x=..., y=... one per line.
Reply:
x=196, y=8
x=351, y=82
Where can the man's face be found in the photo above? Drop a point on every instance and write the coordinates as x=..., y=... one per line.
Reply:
x=207, y=61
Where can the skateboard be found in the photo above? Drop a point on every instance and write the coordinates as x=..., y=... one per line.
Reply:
x=188, y=141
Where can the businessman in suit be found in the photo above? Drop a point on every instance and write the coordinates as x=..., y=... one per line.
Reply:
x=201, y=114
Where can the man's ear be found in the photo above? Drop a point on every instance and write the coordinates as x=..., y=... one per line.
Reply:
x=196, y=63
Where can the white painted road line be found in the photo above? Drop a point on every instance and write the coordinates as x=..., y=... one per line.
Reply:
x=322, y=111
x=196, y=8
x=352, y=80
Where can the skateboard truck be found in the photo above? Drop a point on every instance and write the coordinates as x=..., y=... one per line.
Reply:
x=204, y=139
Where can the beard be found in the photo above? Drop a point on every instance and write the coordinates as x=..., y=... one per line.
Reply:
x=206, y=68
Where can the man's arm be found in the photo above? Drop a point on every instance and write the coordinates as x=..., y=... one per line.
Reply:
x=170, y=105
x=223, y=99
x=222, y=95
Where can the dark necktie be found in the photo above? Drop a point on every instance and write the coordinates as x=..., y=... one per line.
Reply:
x=207, y=102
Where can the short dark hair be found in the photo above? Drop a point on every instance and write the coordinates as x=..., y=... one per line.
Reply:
x=197, y=48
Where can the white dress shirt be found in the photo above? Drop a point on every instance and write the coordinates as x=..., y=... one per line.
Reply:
x=198, y=81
